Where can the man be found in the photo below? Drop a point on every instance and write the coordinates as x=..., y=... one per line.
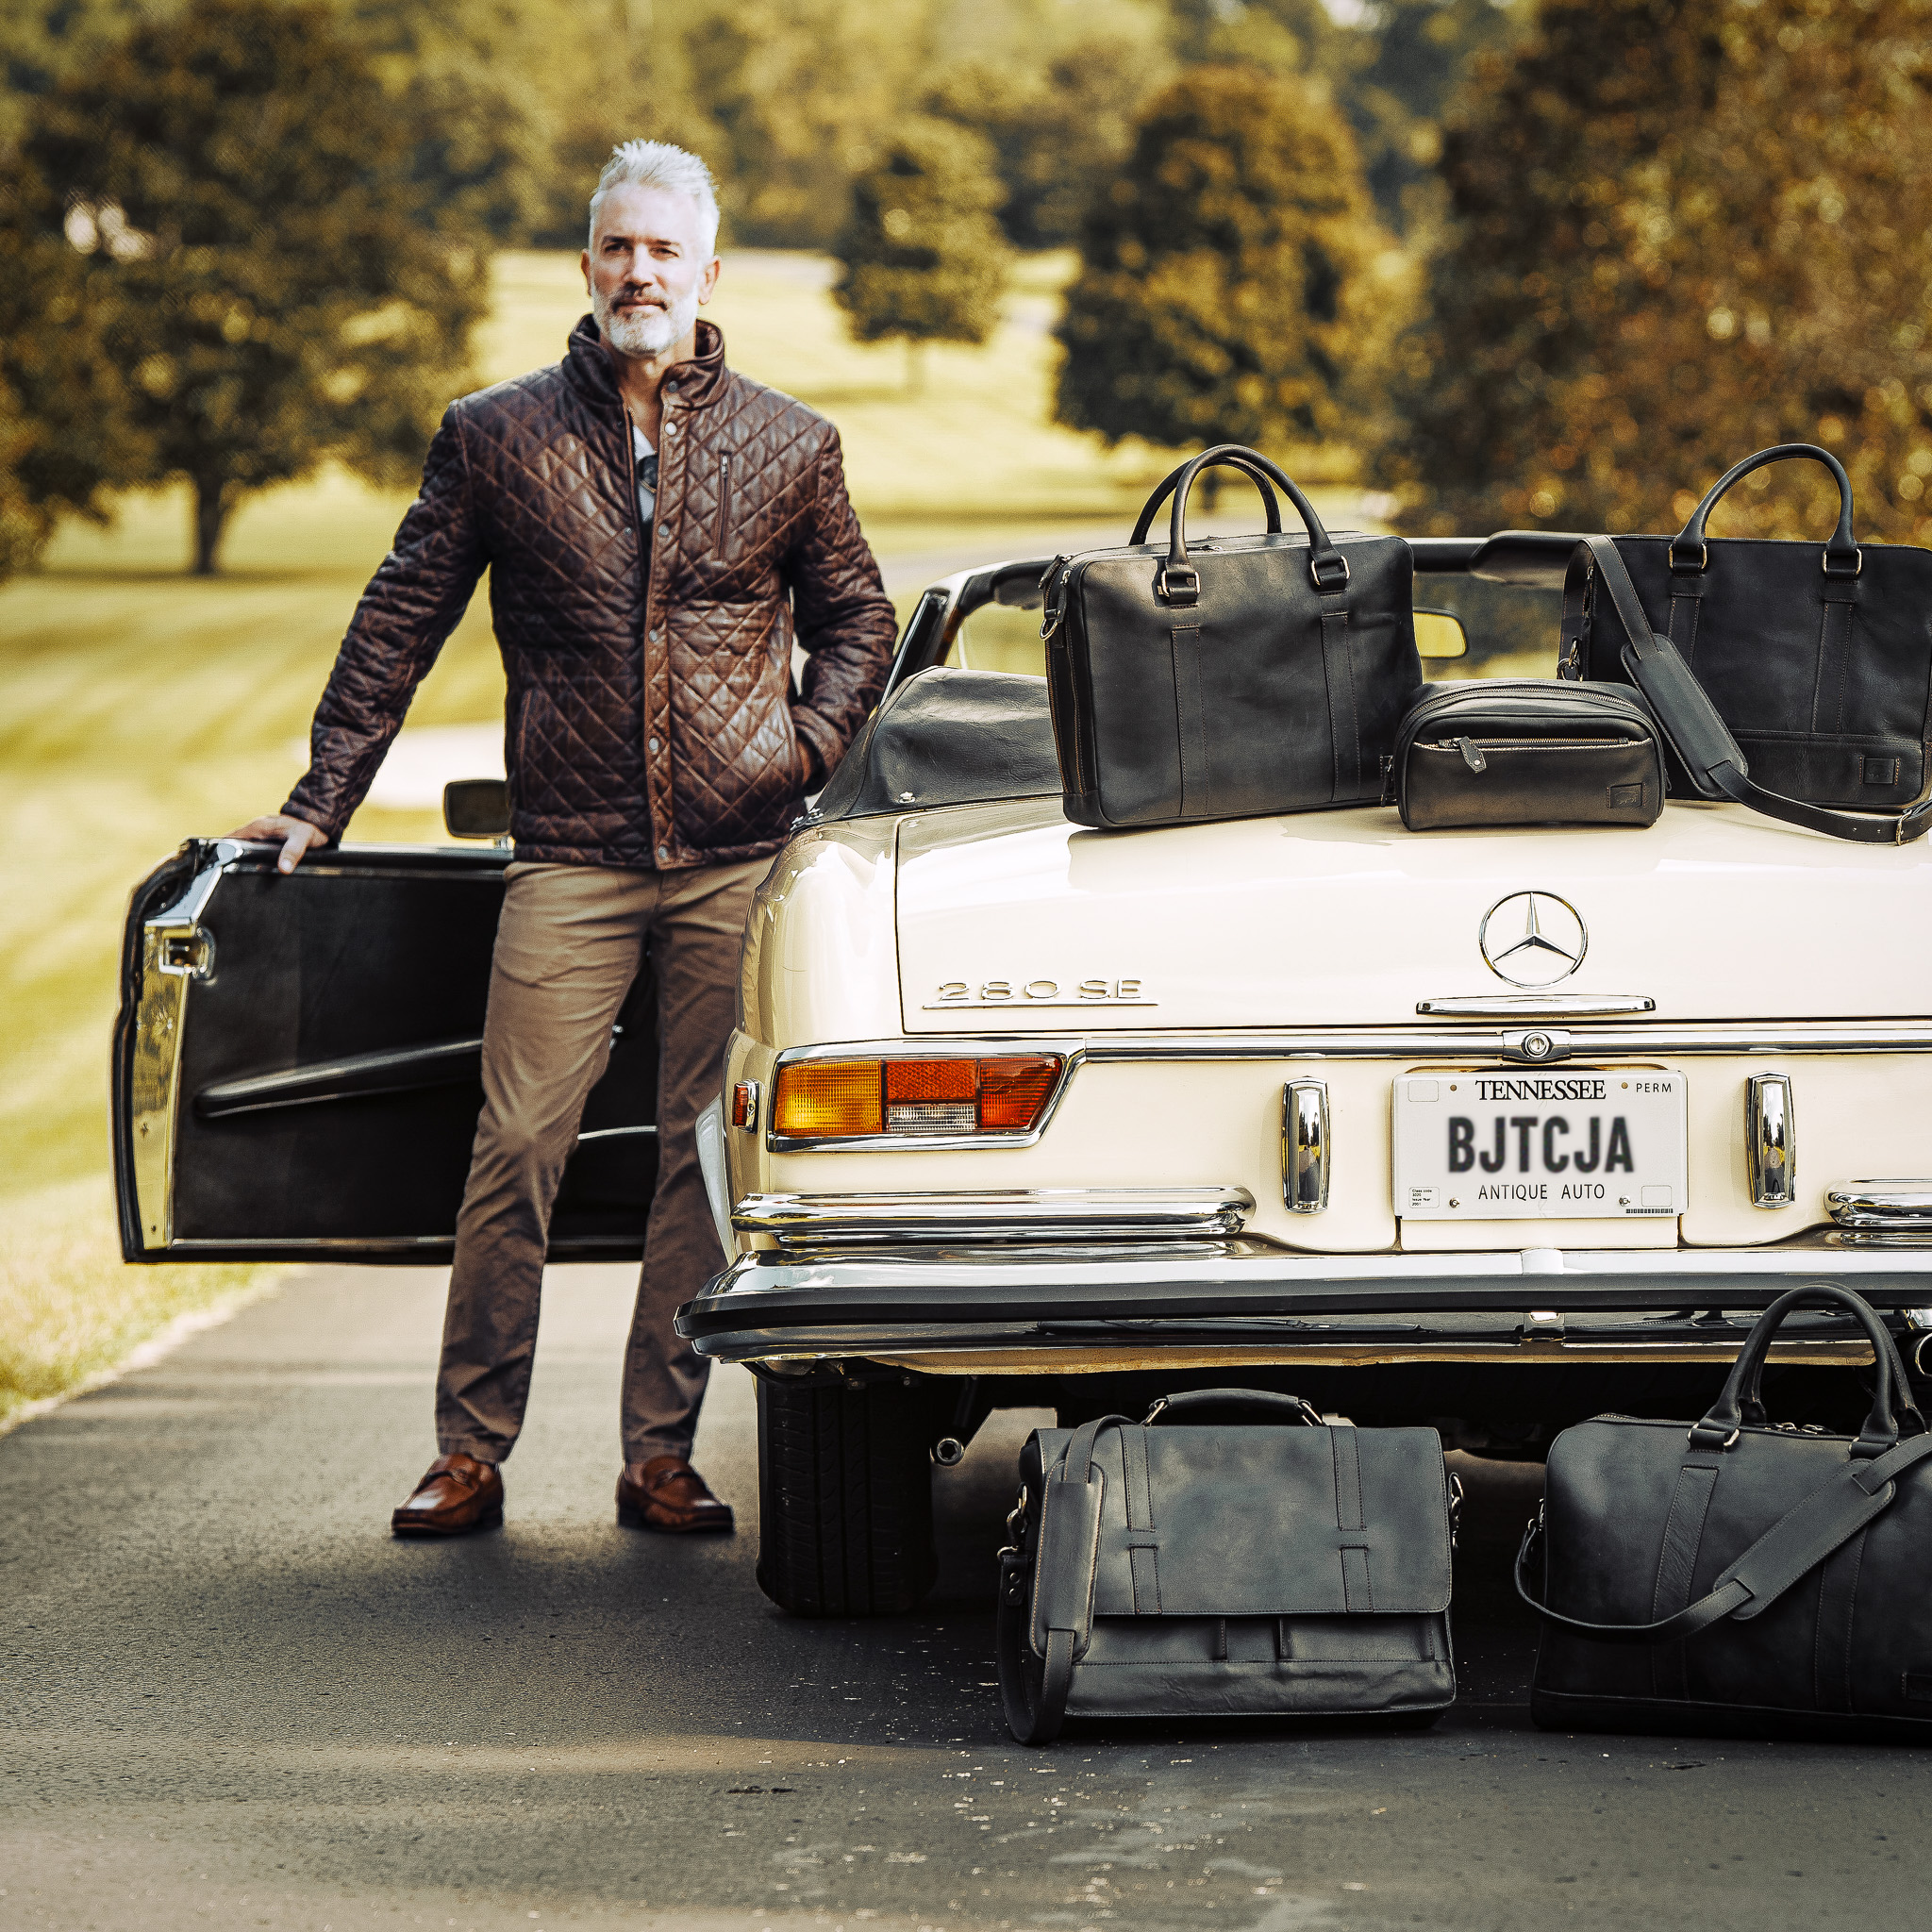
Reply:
x=659, y=530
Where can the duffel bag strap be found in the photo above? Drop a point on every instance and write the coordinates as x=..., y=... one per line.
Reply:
x=1798, y=1541
x=1059, y=1582
x=1700, y=738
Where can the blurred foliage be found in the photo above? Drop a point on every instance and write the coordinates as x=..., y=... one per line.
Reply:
x=1682, y=231
x=1226, y=292
x=260, y=274
x=922, y=255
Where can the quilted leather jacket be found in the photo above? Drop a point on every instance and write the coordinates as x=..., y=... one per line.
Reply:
x=651, y=721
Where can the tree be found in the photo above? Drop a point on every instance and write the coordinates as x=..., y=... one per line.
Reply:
x=1224, y=292
x=258, y=259
x=1682, y=231
x=923, y=257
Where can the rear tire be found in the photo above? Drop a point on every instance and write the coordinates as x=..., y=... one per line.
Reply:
x=844, y=1498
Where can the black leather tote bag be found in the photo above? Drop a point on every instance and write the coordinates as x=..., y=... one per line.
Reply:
x=1174, y=1568
x=1818, y=660
x=1705, y=761
x=1499, y=751
x=1736, y=1577
x=1248, y=674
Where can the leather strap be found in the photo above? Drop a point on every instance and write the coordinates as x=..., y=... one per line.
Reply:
x=1798, y=1541
x=1232, y=458
x=1840, y=556
x=1700, y=738
x=1066, y=1569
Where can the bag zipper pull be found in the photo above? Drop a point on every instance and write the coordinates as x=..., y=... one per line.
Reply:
x=1472, y=755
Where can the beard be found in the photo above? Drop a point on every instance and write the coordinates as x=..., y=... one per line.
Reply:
x=646, y=331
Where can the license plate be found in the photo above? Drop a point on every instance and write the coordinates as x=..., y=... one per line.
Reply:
x=1506, y=1145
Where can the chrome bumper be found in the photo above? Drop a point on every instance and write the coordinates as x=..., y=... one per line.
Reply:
x=1067, y=1306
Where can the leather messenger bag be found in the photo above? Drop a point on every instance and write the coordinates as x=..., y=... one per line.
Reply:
x=1734, y=1577
x=1244, y=676
x=1279, y=1566
x=1818, y=658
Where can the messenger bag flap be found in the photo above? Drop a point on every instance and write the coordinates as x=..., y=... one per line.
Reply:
x=1327, y=1522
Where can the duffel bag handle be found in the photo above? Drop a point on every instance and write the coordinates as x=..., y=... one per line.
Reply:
x=1690, y=553
x=1883, y=1427
x=1178, y=581
x=1264, y=1404
x=1270, y=501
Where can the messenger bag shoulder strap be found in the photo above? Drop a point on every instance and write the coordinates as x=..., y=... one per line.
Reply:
x=1799, y=1541
x=1066, y=1559
x=1698, y=735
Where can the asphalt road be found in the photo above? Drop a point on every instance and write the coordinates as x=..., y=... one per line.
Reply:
x=230, y=1700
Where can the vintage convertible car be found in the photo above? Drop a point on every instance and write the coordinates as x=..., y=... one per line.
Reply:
x=1494, y=1129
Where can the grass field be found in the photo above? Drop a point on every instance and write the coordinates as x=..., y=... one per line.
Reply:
x=139, y=707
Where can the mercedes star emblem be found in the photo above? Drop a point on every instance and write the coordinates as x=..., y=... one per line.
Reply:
x=1533, y=939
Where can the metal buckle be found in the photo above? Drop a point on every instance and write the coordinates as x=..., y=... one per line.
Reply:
x=1702, y=562
x=1315, y=571
x=1179, y=585
x=1690, y=1437
x=1857, y=564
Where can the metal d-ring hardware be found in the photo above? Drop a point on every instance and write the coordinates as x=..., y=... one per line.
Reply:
x=1771, y=1140
x=1304, y=1146
x=1179, y=583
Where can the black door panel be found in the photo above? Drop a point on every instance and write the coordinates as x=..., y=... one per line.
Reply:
x=297, y=1062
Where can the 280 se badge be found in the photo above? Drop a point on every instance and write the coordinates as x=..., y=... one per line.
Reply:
x=1497, y=1146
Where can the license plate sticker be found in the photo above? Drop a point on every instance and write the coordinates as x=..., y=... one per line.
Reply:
x=1501, y=1145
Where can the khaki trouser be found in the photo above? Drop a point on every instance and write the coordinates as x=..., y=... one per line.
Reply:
x=567, y=949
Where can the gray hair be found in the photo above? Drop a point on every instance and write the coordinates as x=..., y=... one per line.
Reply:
x=658, y=164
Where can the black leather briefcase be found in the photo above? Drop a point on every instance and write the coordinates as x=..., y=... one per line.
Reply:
x=1176, y=1569
x=1248, y=674
x=1818, y=658
x=1705, y=758
x=1736, y=1577
x=1496, y=751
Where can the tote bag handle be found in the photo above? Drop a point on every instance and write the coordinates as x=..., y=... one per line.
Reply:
x=1690, y=553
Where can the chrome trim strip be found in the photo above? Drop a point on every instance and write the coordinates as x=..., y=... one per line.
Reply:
x=389, y=1069
x=995, y=1214
x=1771, y=1140
x=1898, y=1207
x=1304, y=1146
x=1506, y=1006
x=617, y=1133
x=1408, y=1042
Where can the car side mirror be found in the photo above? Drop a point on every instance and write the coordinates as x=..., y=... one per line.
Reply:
x=476, y=807
x=1440, y=634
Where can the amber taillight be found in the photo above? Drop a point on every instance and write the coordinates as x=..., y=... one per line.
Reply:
x=842, y=1100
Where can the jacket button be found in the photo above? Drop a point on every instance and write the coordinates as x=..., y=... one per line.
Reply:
x=671, y=429
x=663, y=852
x=658, y=635
x=653, y=744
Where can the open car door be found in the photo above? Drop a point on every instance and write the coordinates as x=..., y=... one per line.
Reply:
x=297, y=1063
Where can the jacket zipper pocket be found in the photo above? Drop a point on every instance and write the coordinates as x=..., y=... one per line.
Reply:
x=723, y=504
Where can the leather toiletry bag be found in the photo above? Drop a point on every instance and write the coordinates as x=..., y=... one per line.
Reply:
x=1526, y=752
x=1237, y=677
x=1736, y=1577
x=1190, y=1566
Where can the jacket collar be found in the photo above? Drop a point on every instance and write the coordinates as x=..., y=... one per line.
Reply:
x=589, y=369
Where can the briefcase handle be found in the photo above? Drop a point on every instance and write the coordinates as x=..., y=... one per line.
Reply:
x=1893, y=1412
x=1270, y=501
x=1179, y=583
x=1690, y=554
x=1265, y=1405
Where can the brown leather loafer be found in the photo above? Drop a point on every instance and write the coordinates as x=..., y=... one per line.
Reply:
x=457, y=1495
x=669, y=1495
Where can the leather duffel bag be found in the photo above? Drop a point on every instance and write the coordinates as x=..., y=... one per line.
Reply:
x=1280, y=1566
x=1244, y=676
x=1507, y=751
x=1817, y=658
x=1736, y=1577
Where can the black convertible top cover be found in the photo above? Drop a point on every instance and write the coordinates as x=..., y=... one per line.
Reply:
x=947, y=737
